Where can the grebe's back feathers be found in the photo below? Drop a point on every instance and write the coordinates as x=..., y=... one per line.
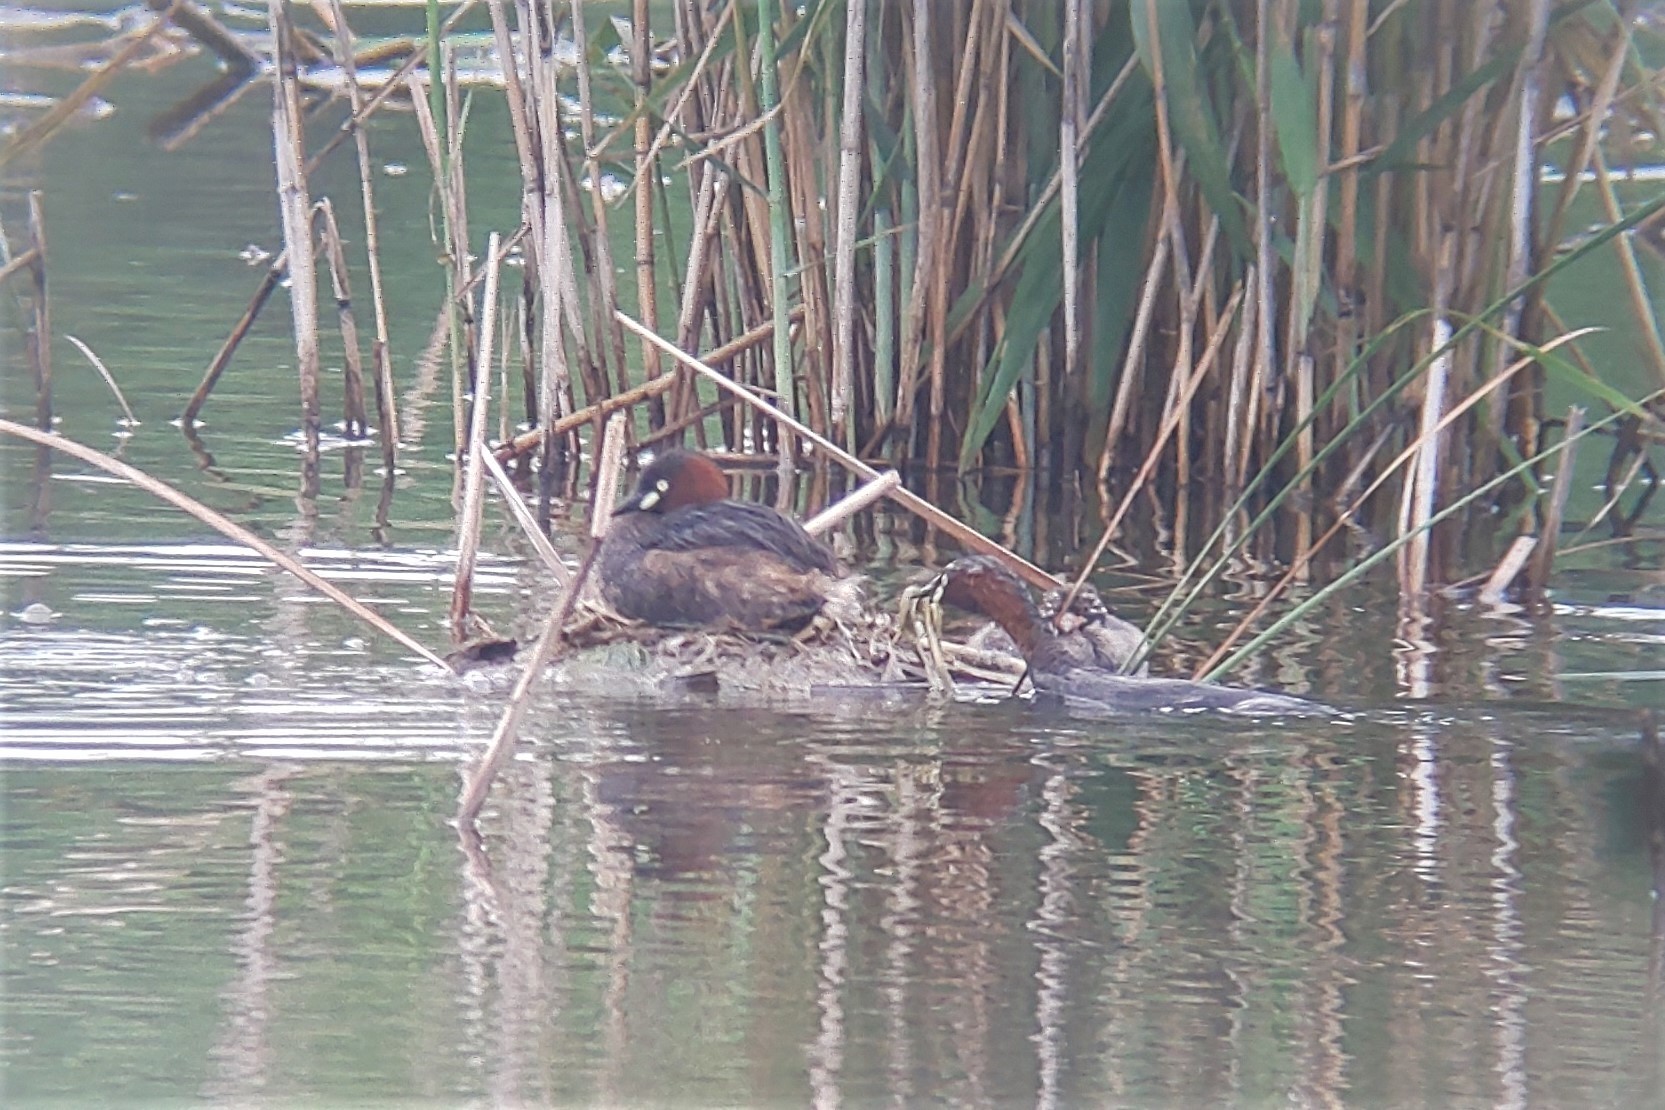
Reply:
x=744, y=524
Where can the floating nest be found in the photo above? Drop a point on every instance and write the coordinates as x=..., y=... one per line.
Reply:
x=872, y=653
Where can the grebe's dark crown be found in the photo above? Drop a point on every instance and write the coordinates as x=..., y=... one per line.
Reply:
x=673, y=479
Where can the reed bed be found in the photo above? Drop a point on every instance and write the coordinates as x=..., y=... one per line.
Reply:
x=1233, y=278
x=1203, y=258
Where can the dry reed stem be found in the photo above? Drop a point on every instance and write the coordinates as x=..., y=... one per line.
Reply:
x=354, y=420
x=854, y=502
x=690, y=85
x=21, y=261
x=1239, y=404
x=923, y=108
x=647, y=294
x=1264, y=214
x=469, y=518
x=606, y=282
x=222, y=358
x=528, y=440
x=381, y=351
x=1507, y=569
x=557, y=286
x=1037, y=210
x=453, y=197
x=1636, y=286
x=966, y=536
x=224, y=526
x=523, y=516
x=109, y=379
x=501, y=746
x=1543, y=561
x=294, y=209
x=1412, y=451
x=1068, y=126
x=400, y=79
x=1170, y=422
x=1134, y=361
x=40, y=339
x=1421, y=492
x=781, y=252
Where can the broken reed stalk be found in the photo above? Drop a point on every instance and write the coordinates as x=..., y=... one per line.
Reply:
x=965, y=535
x=293, y=207
x=529, y=440
x=222, y=525
x=222, y=357
x=501, y=747
x=19, y=262
x=523, y=516
x=852, y=503
x=109, y=379
x=1507, y=568
x=474, y=468
x=275, y=272
x=40, y=339
x=238, y=59
x=355, y=422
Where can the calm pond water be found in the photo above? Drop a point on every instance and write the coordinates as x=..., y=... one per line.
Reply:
x=229, y=871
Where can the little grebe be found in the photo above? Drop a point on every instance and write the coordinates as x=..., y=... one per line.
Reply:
x=1079, y=667
x=679, y=553
x=1089, y=632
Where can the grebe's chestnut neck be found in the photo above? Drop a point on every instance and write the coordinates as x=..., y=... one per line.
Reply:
x=676, y=479
x=981, y=584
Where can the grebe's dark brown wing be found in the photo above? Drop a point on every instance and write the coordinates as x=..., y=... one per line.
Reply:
x=743, y=524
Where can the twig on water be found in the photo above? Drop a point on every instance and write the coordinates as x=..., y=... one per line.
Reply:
x=109, y=379
x=222, y=525
x=502, y=740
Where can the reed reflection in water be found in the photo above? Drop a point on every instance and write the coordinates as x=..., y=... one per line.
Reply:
x=831, y=903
